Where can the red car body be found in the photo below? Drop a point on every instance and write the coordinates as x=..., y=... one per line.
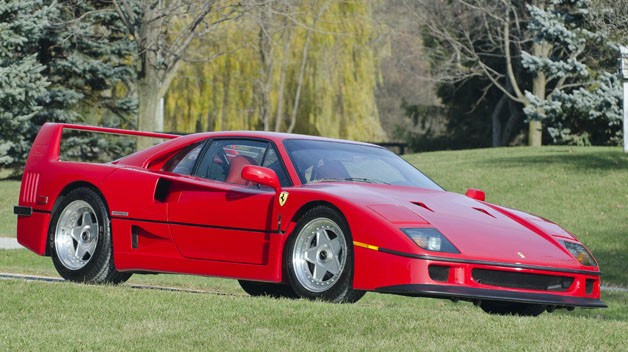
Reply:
x=165, y=222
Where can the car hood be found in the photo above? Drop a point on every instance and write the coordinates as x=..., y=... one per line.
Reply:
x=480, y=230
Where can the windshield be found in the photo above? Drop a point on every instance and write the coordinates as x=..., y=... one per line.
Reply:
x=324, y=161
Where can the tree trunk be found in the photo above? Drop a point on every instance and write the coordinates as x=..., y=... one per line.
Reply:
x=297, y=96
x=222, y=121
x=148, y=101
x=535, y=128
x=515, y=116
x=148, y=82
x=302, y=68
x=497, y=123
x=151, y=88
x=282, y=80
x=266, y=64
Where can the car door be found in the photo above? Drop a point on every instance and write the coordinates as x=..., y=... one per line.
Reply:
x=216, y=215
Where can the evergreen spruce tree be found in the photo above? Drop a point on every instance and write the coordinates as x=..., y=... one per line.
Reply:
x=583, y=101
x=21, y=79
x=88, y=59
x=63, y=62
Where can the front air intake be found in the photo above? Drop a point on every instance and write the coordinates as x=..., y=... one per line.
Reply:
x=509, y=279
x=589, y=286
x=439, y=272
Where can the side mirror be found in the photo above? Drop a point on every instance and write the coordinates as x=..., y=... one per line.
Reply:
x=476, y=194
x=262, y=175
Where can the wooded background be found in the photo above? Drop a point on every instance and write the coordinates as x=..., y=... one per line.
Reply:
x=436, y=74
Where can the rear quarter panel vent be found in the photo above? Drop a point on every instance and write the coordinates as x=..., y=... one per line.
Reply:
x=30, y=183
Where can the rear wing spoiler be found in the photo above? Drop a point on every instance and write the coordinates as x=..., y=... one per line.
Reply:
x=47, y=144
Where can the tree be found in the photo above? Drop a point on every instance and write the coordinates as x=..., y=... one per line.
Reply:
x=583, y=104
x=405, y=74
x=87, y=60
x=21, y=79
x=314, y=72
x=495, y=40
x=162, y=32
x=484, y=38
x=276, y=32
x=611, y=17
x=64, y=62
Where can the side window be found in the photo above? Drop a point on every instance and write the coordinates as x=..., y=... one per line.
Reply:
x=183, y=162
x=272, y=161
x=225, y=159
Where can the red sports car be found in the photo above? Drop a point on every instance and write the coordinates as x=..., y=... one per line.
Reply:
x=291, y=215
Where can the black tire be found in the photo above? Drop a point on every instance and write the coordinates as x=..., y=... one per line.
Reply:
x=512, y=308
x=332, y=261
x=79, y=239
x=256, y=288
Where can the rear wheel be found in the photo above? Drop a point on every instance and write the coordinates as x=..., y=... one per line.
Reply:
x=512, y=308
x=319, y=257
x=80, y=239
x=255, y=288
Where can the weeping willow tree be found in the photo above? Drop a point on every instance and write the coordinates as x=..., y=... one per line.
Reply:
x=304, y=66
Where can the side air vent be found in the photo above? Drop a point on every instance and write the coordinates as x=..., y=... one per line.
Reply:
x=161, y=190
x=30, y=184
x=134, y=236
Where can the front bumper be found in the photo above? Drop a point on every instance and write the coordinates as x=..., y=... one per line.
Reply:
x=386, y=271
x=479, y=294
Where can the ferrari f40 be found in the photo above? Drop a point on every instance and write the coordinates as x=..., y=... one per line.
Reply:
x=293, y=216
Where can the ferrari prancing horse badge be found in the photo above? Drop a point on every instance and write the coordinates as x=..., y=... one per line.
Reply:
x=283, y=197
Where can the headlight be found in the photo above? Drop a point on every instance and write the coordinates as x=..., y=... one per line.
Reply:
x=431, y=240
x=580, y=253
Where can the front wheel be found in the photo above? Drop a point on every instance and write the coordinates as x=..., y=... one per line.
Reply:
x=80, y=239
x=319, y=257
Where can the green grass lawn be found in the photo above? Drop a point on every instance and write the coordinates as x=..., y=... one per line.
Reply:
x=9, y=193
x=583, y=189
x=81, y=317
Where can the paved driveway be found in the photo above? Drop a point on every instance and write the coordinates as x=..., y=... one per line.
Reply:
x=9, y=243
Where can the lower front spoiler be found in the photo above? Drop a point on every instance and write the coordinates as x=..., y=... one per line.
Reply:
x=475, y=294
